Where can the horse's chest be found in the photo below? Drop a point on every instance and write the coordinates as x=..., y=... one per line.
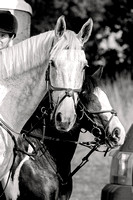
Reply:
x=37, y=181
x=31, y=180
x=12, y=191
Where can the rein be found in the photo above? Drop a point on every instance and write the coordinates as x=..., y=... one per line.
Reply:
x=96, y=131
x=101, y=137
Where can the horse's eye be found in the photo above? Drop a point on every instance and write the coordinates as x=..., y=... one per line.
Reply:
x=52, y=64
x=67, y=47
x=86, y=66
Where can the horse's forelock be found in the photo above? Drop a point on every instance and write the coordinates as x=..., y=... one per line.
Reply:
x=68, y=41
x=73, y=42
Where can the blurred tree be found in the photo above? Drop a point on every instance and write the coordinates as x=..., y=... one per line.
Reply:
x=111, y=42
x=118, y=19
x=45, y=13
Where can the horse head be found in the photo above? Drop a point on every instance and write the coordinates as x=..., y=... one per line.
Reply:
x=108, y=119
x=102, y=117
x=66, y=73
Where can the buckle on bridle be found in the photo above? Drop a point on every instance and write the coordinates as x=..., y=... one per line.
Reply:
x=69, y=92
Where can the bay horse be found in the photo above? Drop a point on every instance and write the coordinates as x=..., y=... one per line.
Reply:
x=57, y=67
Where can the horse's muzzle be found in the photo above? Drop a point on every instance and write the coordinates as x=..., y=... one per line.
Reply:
x=63, y=124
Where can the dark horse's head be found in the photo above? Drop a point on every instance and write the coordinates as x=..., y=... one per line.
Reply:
x=103, y=116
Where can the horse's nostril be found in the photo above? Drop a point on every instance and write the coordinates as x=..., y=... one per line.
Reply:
x=116, y=133
x=59, y=117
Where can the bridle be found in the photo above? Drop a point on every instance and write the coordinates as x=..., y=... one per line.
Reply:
x=100, y=139
x=98, y=132
x=68, y=92
x=101, y=136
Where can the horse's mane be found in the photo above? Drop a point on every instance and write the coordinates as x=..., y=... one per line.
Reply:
x=69, y=41
x=25, y=55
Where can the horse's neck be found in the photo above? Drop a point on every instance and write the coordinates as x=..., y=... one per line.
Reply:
x=20, y=97
x=22, y=89
x=25, y=55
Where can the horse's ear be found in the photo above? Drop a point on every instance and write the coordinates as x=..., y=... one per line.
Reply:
x=95, y=72
x=85, y=31
x=98, y=73
x=60, y=27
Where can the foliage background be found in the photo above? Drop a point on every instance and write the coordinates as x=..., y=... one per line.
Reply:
x=111, y=42
x=111, y=46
